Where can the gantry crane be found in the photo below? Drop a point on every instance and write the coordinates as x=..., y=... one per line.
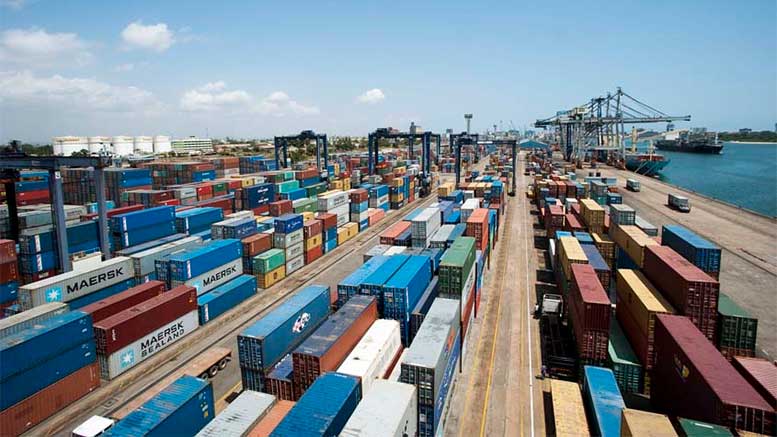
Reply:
x=373, y=146
x=282, y=143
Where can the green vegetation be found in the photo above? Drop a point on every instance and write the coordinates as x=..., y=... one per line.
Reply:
x=755, y=136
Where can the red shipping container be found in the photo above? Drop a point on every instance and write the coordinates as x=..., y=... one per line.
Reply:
x=573, y=224
x=377, y=215
x=691, y=379
x=328, y=220
x=691, y=292
x=312, y=228
x=9, y=271
x=32, y=195
x=313, y=254
x=280, y=388
x=261, y=210
x=171, y=202
x=225, y=204
x=281, y=207
x=761, y=374
x=332, y=341
x=393, y=231
x=204, y=191
x=477, y=227
x=7, y=251
x=589, y=313
x=117, y=303
x=305, y=174
x=359, y=195
x=35, y=409
x=255, y=244
x=121, y=329
x=554, y=216
x=575, y=207
x=34, y=277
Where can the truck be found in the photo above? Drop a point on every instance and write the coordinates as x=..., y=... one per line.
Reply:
x=679, y=203
x=205, y=366
x=632, y=185
x=551, y=304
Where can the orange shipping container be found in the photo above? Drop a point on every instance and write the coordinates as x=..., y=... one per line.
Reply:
x=271, y=420
x=394, y=231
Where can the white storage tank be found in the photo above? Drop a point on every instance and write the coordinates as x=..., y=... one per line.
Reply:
x=99, y=144
x=162, y=144
x=68, y=145
x=144, y=145
x=123, y=145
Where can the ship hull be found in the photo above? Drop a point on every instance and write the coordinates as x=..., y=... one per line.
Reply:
x=644, y=167
x=673, y=146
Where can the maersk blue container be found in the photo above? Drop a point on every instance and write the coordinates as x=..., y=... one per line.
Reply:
x=181, y=409
x=142, y=219
x=595, y=258
x=324, y=409
x=39, y=376
x=197, y=219
x=9, y=291
x=225, y=297
x=43, y=240
x=101, y=294
x=187, y=265
x=330, y=234
x=143, y=235
x=584, y=237
x=330, y=245
x=372, y=285
x=149, y=244
x=265, y=342
x=288, y=223
x=402, y=291
x=699, y=251
x=299, y=193
x=604, y=401
x=351, y=285
x=46, y=339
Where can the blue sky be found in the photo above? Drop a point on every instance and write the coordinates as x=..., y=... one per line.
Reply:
x=249, y=69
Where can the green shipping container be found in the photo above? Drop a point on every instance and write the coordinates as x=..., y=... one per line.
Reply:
x=285, y=187
x=455, y=266
x=695, y=428
x=315, y=190
x=623, y=361
x=304, y=205
x=736, y=327
x=268, y=261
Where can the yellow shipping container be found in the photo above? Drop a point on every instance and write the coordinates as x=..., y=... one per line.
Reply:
x=347, y=184
x=640, y=300
x=307, y=215
x=568, y=409
x=271, y=278
x=397, y=182
x=313, y=242
x=336, y=184
x=593, y=215
x=400, y=170
x=353, y=229
x=446, y=189
x=342, y=235
x=636, y=423
x=570, y=252
x=336, y=168
x=632, y=240
x=396, y=197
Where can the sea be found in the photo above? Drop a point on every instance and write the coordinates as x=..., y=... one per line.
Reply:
x=744, y=175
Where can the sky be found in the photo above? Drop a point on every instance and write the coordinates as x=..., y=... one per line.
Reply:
x=258, y=69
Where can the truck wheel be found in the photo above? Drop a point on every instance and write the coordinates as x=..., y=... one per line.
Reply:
x=204, y=376
x=214, y=369
x=223, y=363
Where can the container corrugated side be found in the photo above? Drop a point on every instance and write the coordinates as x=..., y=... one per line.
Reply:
x=211, y=279
x=373, y=356
x=224, y=298
x=26, y=319
x=351, y=285
x=240, y=416
x=271, y=420
x=389, y=409
x=143, y=262
x=604, y=401
x=568, y=410
x=762, y=374
x=623, y=361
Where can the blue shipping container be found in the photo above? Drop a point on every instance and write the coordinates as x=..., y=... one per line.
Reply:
x=604, y=401
x=288, y=223
x=192, y=263
x=372, y=285
x=404, y=289
x=265, y=342
x=351, y=285
x=181, y=409
x=9, y=291
x=43, y=239
x=333, y=328
x=143, y=235
x=143, y=218
x=595, y=259
x=330, y=245
x=225, y=297
x=324, y=409
x=197, y=219
x=699, y=251
x=584, y=237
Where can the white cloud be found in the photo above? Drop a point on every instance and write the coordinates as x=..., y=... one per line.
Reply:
x=35, y=47
x=124, y=67
x=371, y=97
x=214, y=96
x=155, y=37
x=89, y=95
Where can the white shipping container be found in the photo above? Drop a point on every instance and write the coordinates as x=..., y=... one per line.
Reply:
x=213, y=278
x=375, y=251
x=124, y=359
x=373, y=356
x=240, y=416
x=329, y=201
x=295, y=251
x=376, y=202
x=467, y=208
x=468, y=284
x=356, y=217
x=395, y=250
x=390, y=409
x=239, y=215
x=469, y=194
x=440, y=238
x=143, y=262
x=342, y=219
x=283, y=241
x=295, y=264
x=72, y=285
x=425, y=224
x=26, y=319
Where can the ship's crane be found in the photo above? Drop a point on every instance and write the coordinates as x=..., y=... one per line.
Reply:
x=373, y=145
x=599, y=125
x=282, y=144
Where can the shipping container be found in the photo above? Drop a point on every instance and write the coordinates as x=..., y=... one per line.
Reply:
x=375, y=354
x=279, y=382
x=761, y=374
x=389, y=409
x=600, y=266
x=119, y=302
x=271, y=420
x=736, y=329
x=692, y=379
x=589, y=314
x=264, y=343
x=418, y=313
x=240, y=416
x=632, y=240
x=27, y=319
x=372, y=285
x=623, y=361
x=695, y=428
x=183, y=408
x=699, y=251
x=195, y=262
x=570, y=252
x=324, y=409
x=330, y=344
x=225, y=297
x=636, y=423
x=209, y=280
x=144, y=262
x=568, y=409
x=403, y=290
x=351, y=285
x=603, y=400
x=268, y=261
x=455, y=266
x=691, y=292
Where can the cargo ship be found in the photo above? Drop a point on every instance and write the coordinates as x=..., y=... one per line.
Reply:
x=691, y=142
x=648, y=164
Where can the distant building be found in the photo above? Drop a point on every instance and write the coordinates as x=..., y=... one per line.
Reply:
x=669, y=127
x=775, y=127
x=745, y=130
x=192, y=144
x=415, y=129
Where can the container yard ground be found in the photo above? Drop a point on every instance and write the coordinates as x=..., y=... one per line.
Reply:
x=498, y=392
x=749, y=261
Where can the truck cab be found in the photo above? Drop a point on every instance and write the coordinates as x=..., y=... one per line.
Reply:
x=551, y=304
x=632, y=185
x=679, y=203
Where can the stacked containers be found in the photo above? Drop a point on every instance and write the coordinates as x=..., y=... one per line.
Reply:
x=359, y=199
x=440, y=238
x=352, y=284
x=144, y=262
x=254, y=245
x=9, y=272
x=225, y=268
x=335, y=202
x=390, y=409
x=140, y=226
x=372, y=285
x=329, y=345
x=604, y=401
x=477, y=227
x=38, y=256
x=623, y=215
x=239, y=227
x=267, y=341
x=27, y=319
x=183, y=408
x=312, y=231
x=257, y=197
x=240, y=416
x=623, y=362
x=289, y=237
x=596, y=261
x=692, y=379
x=324, y=409
x=593, y=215
x=225, y=297
x=281, y=207
x=691, y=291
x=279, y=382
x=736, y=330
x=554, y=218
x=404, y=289
x=374, y=356
x=761, y=374
x=393, y=233
x=589, y=314
x=702, y=253
x=133, y=335
x=423, y=226
x=329, y=233
x=269, y=267
x=105, y=308
x=430, y=362
x=455, y=268
x=379, y=197
x=196, y=220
